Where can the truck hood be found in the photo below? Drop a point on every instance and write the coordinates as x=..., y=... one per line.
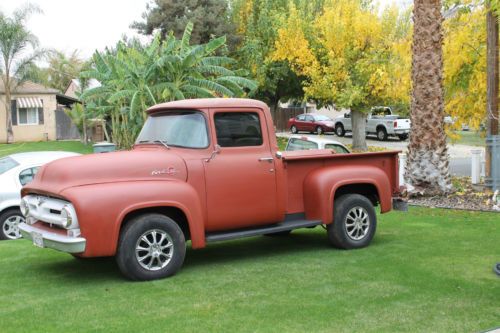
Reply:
x=135, y=165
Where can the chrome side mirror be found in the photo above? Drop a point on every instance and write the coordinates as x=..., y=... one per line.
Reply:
x=215, y=152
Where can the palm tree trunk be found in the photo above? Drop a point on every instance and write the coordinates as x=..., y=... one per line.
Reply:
x=427, y=168
x=8, y=111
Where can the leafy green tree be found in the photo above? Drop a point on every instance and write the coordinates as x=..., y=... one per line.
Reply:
x=210, y=18
x=258, y=23
x=134, y=77
x=18, y=50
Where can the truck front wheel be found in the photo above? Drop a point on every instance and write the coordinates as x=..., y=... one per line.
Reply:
x=354, y=222
x=151, y=246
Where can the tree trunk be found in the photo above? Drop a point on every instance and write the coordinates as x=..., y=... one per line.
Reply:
x=492, y=82
x=427, y=168
x=8, y=112
x=358, y=130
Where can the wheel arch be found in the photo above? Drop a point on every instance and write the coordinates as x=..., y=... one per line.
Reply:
x=175, y=213
x=323, y=186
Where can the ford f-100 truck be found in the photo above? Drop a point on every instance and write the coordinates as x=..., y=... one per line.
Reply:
x=381, y=122
x=203, y=170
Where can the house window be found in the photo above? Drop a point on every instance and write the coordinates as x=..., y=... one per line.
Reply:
x=27, y=116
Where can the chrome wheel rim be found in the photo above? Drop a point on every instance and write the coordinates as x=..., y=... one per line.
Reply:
x=11, y=227
x=154, y=249
x=294, y=129
x=357, y=223
x=320, y=130
x=339, y=131
x=380, y=135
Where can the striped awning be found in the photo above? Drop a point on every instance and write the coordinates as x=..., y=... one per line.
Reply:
x=29, y=102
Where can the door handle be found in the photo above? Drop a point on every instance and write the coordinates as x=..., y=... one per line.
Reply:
x=268, y=159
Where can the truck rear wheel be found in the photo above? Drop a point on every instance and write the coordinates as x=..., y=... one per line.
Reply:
x=354, y=222
x=381, y=134
x=151, y=246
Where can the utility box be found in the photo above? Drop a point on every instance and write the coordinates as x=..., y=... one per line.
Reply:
x=493, y=182
x=104, y=147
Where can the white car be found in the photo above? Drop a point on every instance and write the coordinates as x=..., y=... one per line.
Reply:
x=16, y=171
x=308, y=143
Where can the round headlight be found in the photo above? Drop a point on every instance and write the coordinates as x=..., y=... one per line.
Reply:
x=25, y=210
x=66, y=217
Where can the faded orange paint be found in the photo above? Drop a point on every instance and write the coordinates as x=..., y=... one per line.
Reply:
x=233, y=190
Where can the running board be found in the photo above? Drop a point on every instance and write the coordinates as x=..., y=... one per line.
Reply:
x=269, y=229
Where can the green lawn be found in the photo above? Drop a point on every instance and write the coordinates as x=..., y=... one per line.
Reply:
x=74, y=146
x=471, y=138
x=428, y=270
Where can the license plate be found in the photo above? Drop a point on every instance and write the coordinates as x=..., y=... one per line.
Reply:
x=37, y=239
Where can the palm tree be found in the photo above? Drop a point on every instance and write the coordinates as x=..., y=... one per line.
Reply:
x=134, y=77
x=62, y=68
x=15, y=43
x=428, y=160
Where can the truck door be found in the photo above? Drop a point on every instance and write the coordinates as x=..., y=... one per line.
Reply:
x=241, y=178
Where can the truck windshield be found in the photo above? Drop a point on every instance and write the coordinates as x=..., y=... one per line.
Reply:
x=6, y=164
x=186, y=129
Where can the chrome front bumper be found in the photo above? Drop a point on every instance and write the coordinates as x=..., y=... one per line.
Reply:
x=52, y=240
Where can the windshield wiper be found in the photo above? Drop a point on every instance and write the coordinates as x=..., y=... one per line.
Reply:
x=163, y=142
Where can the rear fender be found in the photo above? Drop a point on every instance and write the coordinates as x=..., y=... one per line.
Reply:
x=321, y=184
x=102, y=208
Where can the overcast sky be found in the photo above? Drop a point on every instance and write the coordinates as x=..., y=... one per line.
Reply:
x=86, y=25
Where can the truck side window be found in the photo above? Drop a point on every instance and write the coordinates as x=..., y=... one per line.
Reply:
x=238, y=129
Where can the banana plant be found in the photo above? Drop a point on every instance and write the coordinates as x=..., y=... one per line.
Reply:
x=134, y=77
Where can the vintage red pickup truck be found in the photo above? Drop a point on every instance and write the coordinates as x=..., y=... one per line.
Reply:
x=203, y=170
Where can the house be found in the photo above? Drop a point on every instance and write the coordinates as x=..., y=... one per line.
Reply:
x=37, y=113
x=74, y=87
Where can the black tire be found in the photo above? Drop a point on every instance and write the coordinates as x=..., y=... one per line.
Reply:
x=342, y=235
x=403, y=137
x=279, y=234
x=339, y=130
x=293, y=129
x=319, y=130
x=496, y=268
x=381, y=134
x=150, y=226
x=6, y=215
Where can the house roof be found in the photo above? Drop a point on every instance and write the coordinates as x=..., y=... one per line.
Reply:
x=29, y=87
x=92, y=83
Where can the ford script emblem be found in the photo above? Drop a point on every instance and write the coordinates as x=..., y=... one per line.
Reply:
x=168, y=171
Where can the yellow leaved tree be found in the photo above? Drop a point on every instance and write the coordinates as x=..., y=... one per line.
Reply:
x=464, y=54
x=350, y=56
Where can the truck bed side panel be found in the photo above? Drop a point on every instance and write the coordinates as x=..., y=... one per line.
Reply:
x=303, y=168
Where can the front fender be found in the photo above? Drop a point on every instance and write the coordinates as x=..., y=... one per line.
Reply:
x=101, y=209
x=321, y=184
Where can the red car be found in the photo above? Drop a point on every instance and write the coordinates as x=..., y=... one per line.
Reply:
x=310, y=122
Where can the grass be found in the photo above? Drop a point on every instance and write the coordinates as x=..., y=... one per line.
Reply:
x=73, y=146
x=428, y=270
x=470, y=138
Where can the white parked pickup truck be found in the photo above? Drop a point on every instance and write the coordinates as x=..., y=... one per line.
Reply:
x=381, y=121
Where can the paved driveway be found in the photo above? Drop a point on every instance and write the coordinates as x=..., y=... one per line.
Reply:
x=460, y=155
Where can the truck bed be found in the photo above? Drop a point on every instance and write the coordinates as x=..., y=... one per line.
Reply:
x=299, y=164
